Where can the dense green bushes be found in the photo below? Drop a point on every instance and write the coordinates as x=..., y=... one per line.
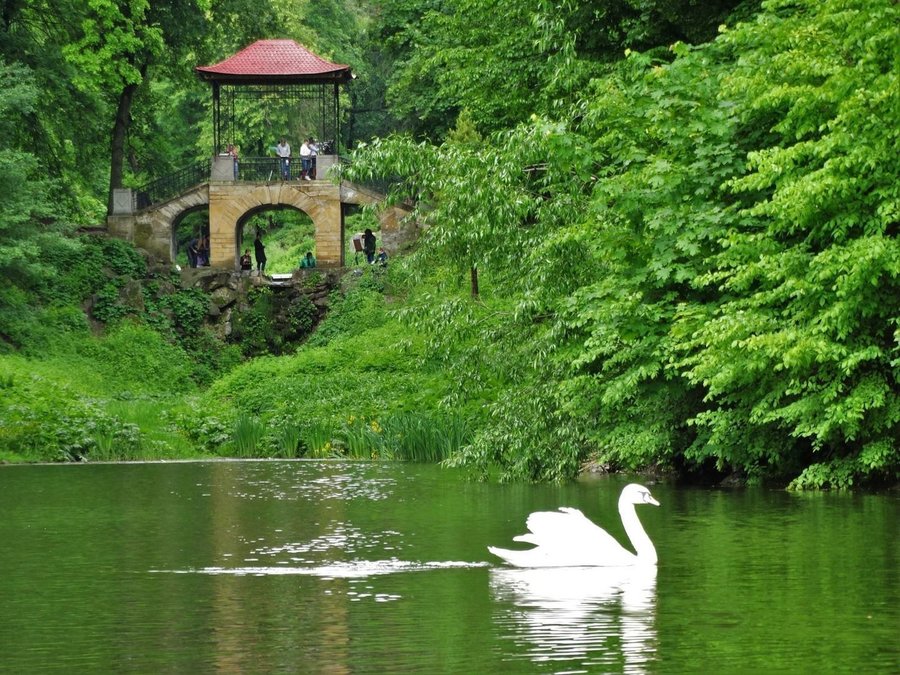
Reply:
x=88, y=398
x=271, y=324
x=357, y=389
x=697, y=268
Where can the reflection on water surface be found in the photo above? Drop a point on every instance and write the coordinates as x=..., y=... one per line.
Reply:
x=593, y=615
x=369, y=567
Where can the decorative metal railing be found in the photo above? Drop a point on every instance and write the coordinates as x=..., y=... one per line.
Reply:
x=172, y=185
x=248, y=169
x=266, y=169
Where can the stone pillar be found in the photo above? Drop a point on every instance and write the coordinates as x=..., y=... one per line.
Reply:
x=329, y=221
x=323, y=164
x=120, y=227
x=397, y=228
x=123, y=202
x=224, y=210
x=222, y=168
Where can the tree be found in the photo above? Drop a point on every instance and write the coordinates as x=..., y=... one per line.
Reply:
x=26, y=210
x=118, y=43
x=804, y=340
x=696, y=265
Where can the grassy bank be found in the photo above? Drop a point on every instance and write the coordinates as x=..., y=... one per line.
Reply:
x=360, y=387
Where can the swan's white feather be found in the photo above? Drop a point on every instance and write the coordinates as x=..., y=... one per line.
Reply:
x=567, y=537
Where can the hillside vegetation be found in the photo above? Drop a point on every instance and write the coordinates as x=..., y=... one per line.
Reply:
x=657, y=236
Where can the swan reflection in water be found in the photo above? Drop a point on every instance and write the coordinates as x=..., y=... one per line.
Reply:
x=588, y=615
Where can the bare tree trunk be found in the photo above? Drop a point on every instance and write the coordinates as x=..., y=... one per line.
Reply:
x=474, y=271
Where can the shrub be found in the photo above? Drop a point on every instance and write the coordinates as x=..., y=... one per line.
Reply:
x=247, y=433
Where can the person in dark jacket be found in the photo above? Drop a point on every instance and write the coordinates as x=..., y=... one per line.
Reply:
x=192, y=251
x=259, y=250
x=369, y=246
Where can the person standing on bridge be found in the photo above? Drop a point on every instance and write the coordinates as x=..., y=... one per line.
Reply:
x=304, y=160
x=283, y=150
x=259, y=250
x=234, y=155
x=313, y=153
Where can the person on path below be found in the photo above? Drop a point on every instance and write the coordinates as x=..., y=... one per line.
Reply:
x=283, y=150
x=304, y=160
x=192, y=251
x=259, y=249
x=308, y=260
x=369, y=246
x=246, y=262
x=203, y=252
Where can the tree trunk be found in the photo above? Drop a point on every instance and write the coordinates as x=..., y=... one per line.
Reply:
x=474, y=271
x=119, y=134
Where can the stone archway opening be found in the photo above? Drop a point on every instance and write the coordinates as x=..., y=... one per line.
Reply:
x=356, y=219
x=287, y=233
x=191, y=225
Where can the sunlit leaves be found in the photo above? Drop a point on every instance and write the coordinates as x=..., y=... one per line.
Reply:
x=114, y=38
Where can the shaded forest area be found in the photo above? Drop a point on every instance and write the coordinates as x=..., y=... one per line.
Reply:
x=682, y=218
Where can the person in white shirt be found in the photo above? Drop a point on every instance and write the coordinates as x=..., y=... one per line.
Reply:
x=304, y=160
x=283, y=150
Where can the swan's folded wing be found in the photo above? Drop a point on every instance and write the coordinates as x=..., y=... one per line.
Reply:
x=568, y=525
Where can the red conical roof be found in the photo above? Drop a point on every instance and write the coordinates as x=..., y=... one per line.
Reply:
x=274, y=61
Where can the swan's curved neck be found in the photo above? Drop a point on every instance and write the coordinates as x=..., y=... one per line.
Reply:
x=646, y=552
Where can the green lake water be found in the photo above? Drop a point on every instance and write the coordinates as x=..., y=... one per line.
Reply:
x=333, y=567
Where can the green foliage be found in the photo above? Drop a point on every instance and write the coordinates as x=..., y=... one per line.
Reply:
x=138, y=359
x=360, y=365
x=247, y=433
x=358, y=310
x=254, y=328
x=122, y=258
x=302, y=315
x=686, y=252
x=450, y=56
x=209, y=434
x=465, y=132
x=287, y=238
x=44, y=419
x=697, y=270
x=804, y=343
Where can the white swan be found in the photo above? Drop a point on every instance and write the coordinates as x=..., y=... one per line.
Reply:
x=566, y=538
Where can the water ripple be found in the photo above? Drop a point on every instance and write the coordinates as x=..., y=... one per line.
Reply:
x=353, y=569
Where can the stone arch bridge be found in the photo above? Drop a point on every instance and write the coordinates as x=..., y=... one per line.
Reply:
x=152, y=226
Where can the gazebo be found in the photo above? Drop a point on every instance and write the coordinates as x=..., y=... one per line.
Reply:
x=280, y=85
